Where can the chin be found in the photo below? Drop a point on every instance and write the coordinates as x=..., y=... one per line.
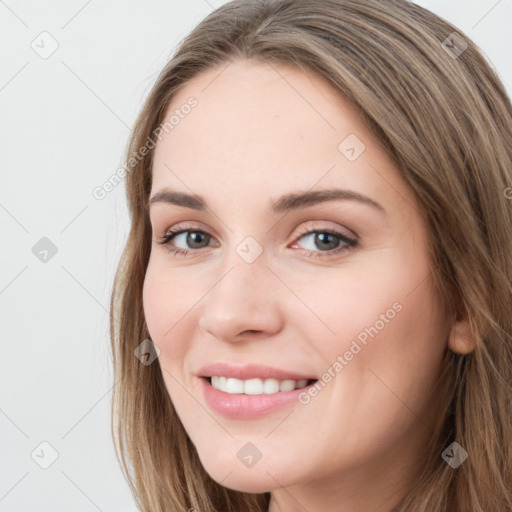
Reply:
x=249, y=482
x=235, y=476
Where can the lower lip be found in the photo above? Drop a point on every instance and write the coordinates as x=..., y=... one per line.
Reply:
x=247, y=407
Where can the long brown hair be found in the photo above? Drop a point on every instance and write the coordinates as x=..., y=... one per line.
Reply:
x=440, y=110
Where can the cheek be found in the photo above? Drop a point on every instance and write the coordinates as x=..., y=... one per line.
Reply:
x=154, y=302
x=165, y=310
x=355, y=304
x=388, y=328
x=393, y=340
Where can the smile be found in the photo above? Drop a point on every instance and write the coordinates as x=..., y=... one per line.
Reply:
x=243, y=405
x=256, y=386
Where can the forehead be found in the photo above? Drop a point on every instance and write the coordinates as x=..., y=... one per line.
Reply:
x=261, y=129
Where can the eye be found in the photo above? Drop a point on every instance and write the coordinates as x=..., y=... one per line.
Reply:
x=326, y=242
x=187, y=236
x=323, y=242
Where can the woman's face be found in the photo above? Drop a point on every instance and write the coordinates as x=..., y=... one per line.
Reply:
x=280, y=274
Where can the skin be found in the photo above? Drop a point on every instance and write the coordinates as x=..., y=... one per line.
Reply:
x=260, y=131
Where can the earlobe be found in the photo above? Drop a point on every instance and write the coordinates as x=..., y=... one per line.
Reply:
x=461, y=340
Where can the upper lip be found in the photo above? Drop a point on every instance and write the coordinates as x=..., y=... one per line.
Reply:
x=250, y=371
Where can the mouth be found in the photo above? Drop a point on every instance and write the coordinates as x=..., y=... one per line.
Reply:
x=251, y=391
x=256, y=386
x=251, y=399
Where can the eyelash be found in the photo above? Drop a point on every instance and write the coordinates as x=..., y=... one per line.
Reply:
x=172, y=233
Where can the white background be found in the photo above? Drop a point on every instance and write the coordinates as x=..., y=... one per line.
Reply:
x=63, y=126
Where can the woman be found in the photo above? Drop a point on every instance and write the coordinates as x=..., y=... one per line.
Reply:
x=313, y=307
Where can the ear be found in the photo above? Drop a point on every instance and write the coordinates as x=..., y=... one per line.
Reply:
x=461, y=340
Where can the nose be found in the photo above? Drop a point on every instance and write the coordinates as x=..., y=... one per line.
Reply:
x=242, y=304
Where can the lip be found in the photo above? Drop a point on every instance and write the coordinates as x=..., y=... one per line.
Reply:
x=250, y=371
x=246, y=407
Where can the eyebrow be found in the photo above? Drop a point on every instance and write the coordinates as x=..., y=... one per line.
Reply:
x=285, y=203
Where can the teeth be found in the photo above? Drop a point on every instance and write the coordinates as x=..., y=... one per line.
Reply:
x=255, y=386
